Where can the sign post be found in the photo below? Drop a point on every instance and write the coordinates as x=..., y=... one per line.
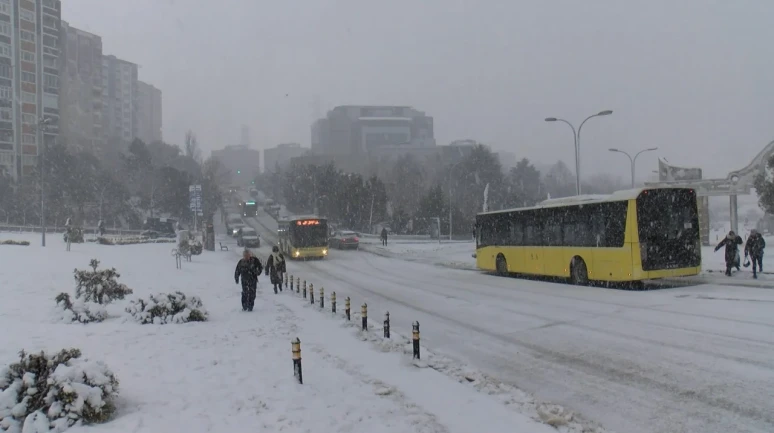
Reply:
x=195, y=202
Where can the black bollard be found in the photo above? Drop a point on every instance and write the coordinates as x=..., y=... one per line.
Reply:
x=291, y=282
x=333, y=302
x=298, y=284
x=286, y=280
x=364, y=315
x=415, y=337
x=296, y=348
x=322, y=297
x=346, y=307
x=311, y=293
x=304, y=289
x=387, y=325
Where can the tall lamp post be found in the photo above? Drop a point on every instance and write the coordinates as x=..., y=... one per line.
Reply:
x=576, y=138
x=633, y=161
x=42, y=125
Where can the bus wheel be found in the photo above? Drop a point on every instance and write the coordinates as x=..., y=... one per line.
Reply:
x=579, y=274
x=501, y=265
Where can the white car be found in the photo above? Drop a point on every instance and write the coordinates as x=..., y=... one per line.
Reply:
x=248, y=237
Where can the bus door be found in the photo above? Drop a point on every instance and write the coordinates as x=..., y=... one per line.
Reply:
x=553, y=260
x=533, y=241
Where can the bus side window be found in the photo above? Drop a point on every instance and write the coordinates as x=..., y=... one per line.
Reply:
x=517, y=233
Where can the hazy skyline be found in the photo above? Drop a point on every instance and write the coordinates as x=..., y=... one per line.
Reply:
x=691, y=77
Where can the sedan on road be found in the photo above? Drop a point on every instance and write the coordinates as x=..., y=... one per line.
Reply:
x=248, y=237
x=344, y=239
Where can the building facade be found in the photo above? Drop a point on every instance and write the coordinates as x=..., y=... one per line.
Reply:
x=281, y=155
x=242, y=163
x=29, y=82
x=149, y=121
x=119, y=100
x=80, y=98
x=354, y=129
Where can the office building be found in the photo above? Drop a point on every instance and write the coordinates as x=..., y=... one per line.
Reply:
x=80, y=98
x=149, y=113
x=281, y=155
x=119, y=100
x=352, y=129
x=242, y=163
x=29, y=82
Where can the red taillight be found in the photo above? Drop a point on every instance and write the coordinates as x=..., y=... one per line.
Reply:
x=356, y=239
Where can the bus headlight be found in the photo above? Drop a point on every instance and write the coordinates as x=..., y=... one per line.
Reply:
x=325, y=252
x=296, y=253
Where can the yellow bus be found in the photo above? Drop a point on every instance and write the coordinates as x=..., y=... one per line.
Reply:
x=626, y=237
x=304, y=237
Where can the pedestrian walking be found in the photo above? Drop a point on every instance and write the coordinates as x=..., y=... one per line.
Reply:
x=275, y=268
x=754, y=249
x=384, y=236
x=248, y=269
x=731, y=242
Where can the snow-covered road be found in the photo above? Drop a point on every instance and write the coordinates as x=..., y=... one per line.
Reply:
x=688, y=359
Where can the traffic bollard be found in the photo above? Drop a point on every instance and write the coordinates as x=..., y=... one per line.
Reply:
x=387, y=325
x=415, y=337
x=286, y=280
x=346, y=307
x=333, y=302
x=364, y=315
x=298, y=284
x=322, y=297
x=291, y=282
x=311, y=293
x=296, y=348
x=304, y=289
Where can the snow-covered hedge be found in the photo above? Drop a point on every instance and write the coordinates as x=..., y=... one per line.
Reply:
x=11, y=242
x=132, y=241
x=165, y=308
x=99, y=286
x=51, y=392
x=79, y=311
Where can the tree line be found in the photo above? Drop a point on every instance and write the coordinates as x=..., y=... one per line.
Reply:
x=411, y=194
x=120, y=188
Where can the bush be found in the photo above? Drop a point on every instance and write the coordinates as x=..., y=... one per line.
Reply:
x=10, y=242
x=75, y=234
x=132, y=241
x=79, y=311
x=168, y=308
x=99, y=286
x=44, y=391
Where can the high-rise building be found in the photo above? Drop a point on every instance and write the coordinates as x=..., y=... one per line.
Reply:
x=80, y=98
x=355, y=129
x=281, y=156
x=242, y=163
x=29, y=82
x=245, y=137
x=119, y=100
x=149, y=121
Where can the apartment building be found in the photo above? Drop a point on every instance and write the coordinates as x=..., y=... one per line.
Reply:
x=149, y=120
x=281, y=155
x=29, y=82
x=80, y=99
x=119, y=100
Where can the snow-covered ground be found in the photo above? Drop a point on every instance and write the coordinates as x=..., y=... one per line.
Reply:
x=689, y=359
x=234, y=373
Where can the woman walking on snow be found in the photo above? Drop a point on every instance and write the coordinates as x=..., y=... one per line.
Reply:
x=275, y=268
x=731, y=242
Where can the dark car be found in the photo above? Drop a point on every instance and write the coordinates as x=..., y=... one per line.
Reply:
x=248, y=237
x=344, y=239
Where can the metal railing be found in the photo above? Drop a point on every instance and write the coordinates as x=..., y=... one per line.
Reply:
x=56, y=229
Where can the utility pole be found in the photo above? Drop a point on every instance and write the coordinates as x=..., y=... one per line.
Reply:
x=42, y=124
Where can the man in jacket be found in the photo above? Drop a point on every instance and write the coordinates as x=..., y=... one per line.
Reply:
x=384, y=236
x=731, y=242
x=275, y=267
x=754, y=248
x=248, y=268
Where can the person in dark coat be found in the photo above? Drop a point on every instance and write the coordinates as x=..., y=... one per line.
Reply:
x=384, y=236
x=275, y=268
x=754, y=249
x=248, y=269
x=731, y=242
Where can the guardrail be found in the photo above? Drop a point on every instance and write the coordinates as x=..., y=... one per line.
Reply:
x=86, y=230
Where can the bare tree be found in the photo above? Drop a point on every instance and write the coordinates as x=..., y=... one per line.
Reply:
x=192, y=147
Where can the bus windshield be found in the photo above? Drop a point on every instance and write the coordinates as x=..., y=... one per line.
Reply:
x=309, y=236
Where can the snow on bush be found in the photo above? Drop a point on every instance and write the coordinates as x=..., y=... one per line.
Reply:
x=132, y=241
x=11, y=242
x=168, y=308
x=79, y=311
x=99, y=286
x=51, y=392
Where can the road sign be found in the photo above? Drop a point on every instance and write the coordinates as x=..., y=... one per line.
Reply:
x=195, y=199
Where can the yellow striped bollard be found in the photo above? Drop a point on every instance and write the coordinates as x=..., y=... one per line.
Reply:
x=296, y=348
x=333, y=302
x=311, y=293
x=364, y=315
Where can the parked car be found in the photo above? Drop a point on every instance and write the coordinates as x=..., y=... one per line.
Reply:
x=248, y=237
x=235, y=228
x=344, y=239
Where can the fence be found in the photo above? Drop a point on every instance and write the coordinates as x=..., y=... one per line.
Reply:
x=56, y=229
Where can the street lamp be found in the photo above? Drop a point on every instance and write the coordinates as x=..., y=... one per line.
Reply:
x=633, y=160
x=42, y=125
x=576, y=137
